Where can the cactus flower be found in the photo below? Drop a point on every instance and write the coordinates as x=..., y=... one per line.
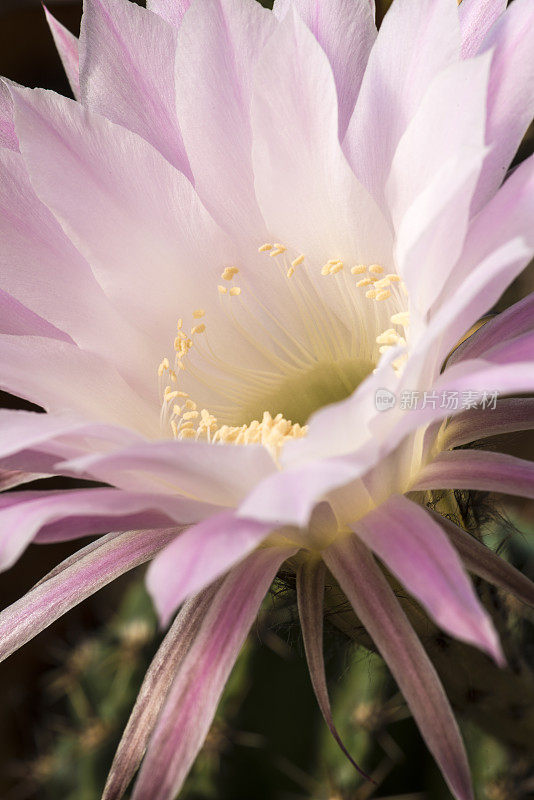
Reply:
x=234, y=269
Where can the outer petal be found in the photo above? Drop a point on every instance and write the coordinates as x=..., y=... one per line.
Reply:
x=11, y=478
x=62, y=378
x=220, y=474
x=8, y=137
x=184, y=721
x=476, y=19
x=511, y=93
x=154, y=691
x=199, y=556
x=377, y=607
x=89, y=511
x=80, y=576
x=417, y=551
x=218, y=45
x=346, y=31
x=513, y=414
x=478, y=469
x=127, y=73
x=416, y=40
x=516, y=320
x=307, y=193
x=482, y=561
x=67, y=47
x=171, y=10
x=310, y=592
x=147, y=247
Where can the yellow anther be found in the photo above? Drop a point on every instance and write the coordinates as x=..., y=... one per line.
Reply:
x=265, y=248
x=190, y=415
x=382, y=283
x=326, y=269
x=176, y=410
x=199, y=328
x=298, y=260
x=188, y=433
x=376, y=268
x=290, y=272
x=388, y=337
x=402, y=318
x=358, y=269
x=190, y=405
x=199, y=313
x=228, y=273
x=222, y=289
x=393, y=277
x=277, y=252
x=335, y=268
x=170, y=395
x=371, y=294
x=383, y=295
x=163, y=367
x=172, y=375
x=235, y=290
x=182, y=394
x=174, y=428
x=365, y=282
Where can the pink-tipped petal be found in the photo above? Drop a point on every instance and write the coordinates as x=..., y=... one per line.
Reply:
x=307, y=193
x=476, y=19
x=154, y=691
x=512, y=414
x=482, y=561
x=67, y=47
x=82, y=512
x=478, y=470
x=219, y=44
x=417, y=551
x=8, y=137
x=346, y=31
x=199, y=556
x=127, y=73
x=365, y=586
x=416, y=41
x=190, y=706
x=514, y=321
x=310, y=592
x=510, y=94
x=172, y=11
x=75, y=579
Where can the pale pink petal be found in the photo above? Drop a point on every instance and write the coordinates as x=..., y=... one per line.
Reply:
x=482, y=561
x=127, y=73
x=310, y=592
x=190, y=706
x=219, y=44
x=171, y=10
x=308, y=195
x=520, y=348
x=15, y=318
x=80, y=512
x=417, y=551
x=67, y=47
x=514, y=414
x=154, y=691
x=75, y=579
x=416, y=41
x=476, y=19
x=8, y=137
x=433, y=176
x=514, y=321
x=35, y=251
x=140, y=244
x=199, y=556
x=62, y=378
x=478, y=469
x=346, y=31
x=378, y=609
x=511, y=93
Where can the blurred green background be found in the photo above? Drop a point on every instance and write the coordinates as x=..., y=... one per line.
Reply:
x=66, y=696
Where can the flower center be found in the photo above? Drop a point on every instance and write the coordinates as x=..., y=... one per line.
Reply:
x=329, y=347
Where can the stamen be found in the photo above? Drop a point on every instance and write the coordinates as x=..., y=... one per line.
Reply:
x=201, y=328
x=297, y=261
x=228, y=273
x=265, y=248
x=222, y=289
x=358, y=269
x=234, y=291
x=376, y=268
x=199, y=313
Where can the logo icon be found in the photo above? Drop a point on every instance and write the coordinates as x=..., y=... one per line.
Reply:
x=384, y=399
